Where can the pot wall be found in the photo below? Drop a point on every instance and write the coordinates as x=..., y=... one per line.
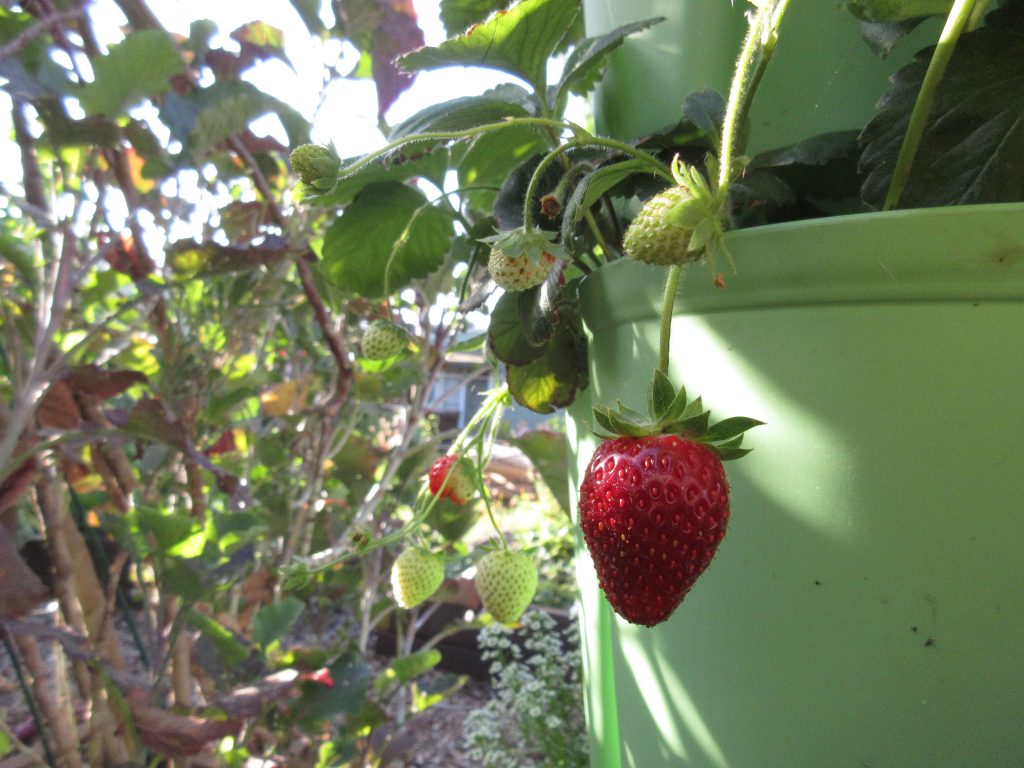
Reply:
x=864, y=608
x=822, y=77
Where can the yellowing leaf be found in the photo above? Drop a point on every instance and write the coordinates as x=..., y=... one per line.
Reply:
x=286, y=397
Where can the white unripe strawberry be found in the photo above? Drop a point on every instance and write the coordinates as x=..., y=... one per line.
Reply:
x=506, y=582
x=416, y=575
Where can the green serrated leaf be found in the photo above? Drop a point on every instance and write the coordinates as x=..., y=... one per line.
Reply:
x=352, y=676
x=140, y=66
x=706, y=110
x=273, y=621
x=727, y=429
x=883, y=36
x=519, y=41
x=230, y=648
x=388, y=236
x=552, y=381
x=505, y=335
x=592, y=187
x=471, y=344
x=491, y=158
x=898, y=10
x=584, y=66
x=458, y=15
x=972, y=150
x=547, y=451
x=405, y=669
x=661, y=395
x=538, y=310
x=465, y=113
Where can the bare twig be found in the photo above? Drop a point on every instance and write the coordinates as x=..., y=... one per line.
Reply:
x=43, y=25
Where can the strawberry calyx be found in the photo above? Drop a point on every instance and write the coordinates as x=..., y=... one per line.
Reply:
x=672, y=413
x=531, y=243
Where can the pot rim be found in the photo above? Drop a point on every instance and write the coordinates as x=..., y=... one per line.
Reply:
x=971, y=253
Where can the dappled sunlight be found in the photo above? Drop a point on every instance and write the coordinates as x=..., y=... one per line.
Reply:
x=792, y=436
x=671, y=708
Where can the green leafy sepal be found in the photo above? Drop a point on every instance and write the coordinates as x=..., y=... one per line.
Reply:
x=671, y=413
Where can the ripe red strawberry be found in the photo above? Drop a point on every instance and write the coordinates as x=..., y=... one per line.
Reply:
x=654, y=501
x=653, y=511
x=506, y=582
x=459, y=471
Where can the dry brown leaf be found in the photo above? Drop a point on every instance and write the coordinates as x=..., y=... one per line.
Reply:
x=102, y=384
x=172, y=734
x=20, y=589
x=57, y=408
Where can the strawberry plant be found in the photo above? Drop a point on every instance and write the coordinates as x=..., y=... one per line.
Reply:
x=197, y=376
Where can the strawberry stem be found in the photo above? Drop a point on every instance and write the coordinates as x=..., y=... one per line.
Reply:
x=758, y=47
x=959, y=16
x=667, y=307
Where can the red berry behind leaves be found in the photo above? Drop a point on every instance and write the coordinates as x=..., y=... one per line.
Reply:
x=653, y=511
x=460, y=486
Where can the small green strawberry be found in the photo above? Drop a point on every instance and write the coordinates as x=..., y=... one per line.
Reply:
x=415, y=576
x=506, y=582
x=678, y=225
x=317, y=166
x=383, y=339
x=521, y=259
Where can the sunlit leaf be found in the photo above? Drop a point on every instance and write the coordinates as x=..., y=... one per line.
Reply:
x=972, y=150
x=388, y=236
x=273, y=621
x=518, y=41
x=138, y=67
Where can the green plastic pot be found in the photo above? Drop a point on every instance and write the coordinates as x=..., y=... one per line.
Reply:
x=822, y=78
x=865, y=608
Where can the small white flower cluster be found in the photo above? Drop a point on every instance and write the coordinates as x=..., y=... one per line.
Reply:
x=535, y=717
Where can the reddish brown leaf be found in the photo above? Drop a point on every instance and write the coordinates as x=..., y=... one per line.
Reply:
x=122, y=255
x=57, y=408
x=172, y=734
x=149, y=420
x=20, y=588
x=16, y=483
x=248, y=700
x=96, y=382
x=398, y=33
x=257, y=144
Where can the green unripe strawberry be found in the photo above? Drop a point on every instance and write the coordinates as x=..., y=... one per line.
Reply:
x=383, y=339
x=519, y=273
x=660, y=234
x=506, y=582
x=317, y=166
x=415, y=575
